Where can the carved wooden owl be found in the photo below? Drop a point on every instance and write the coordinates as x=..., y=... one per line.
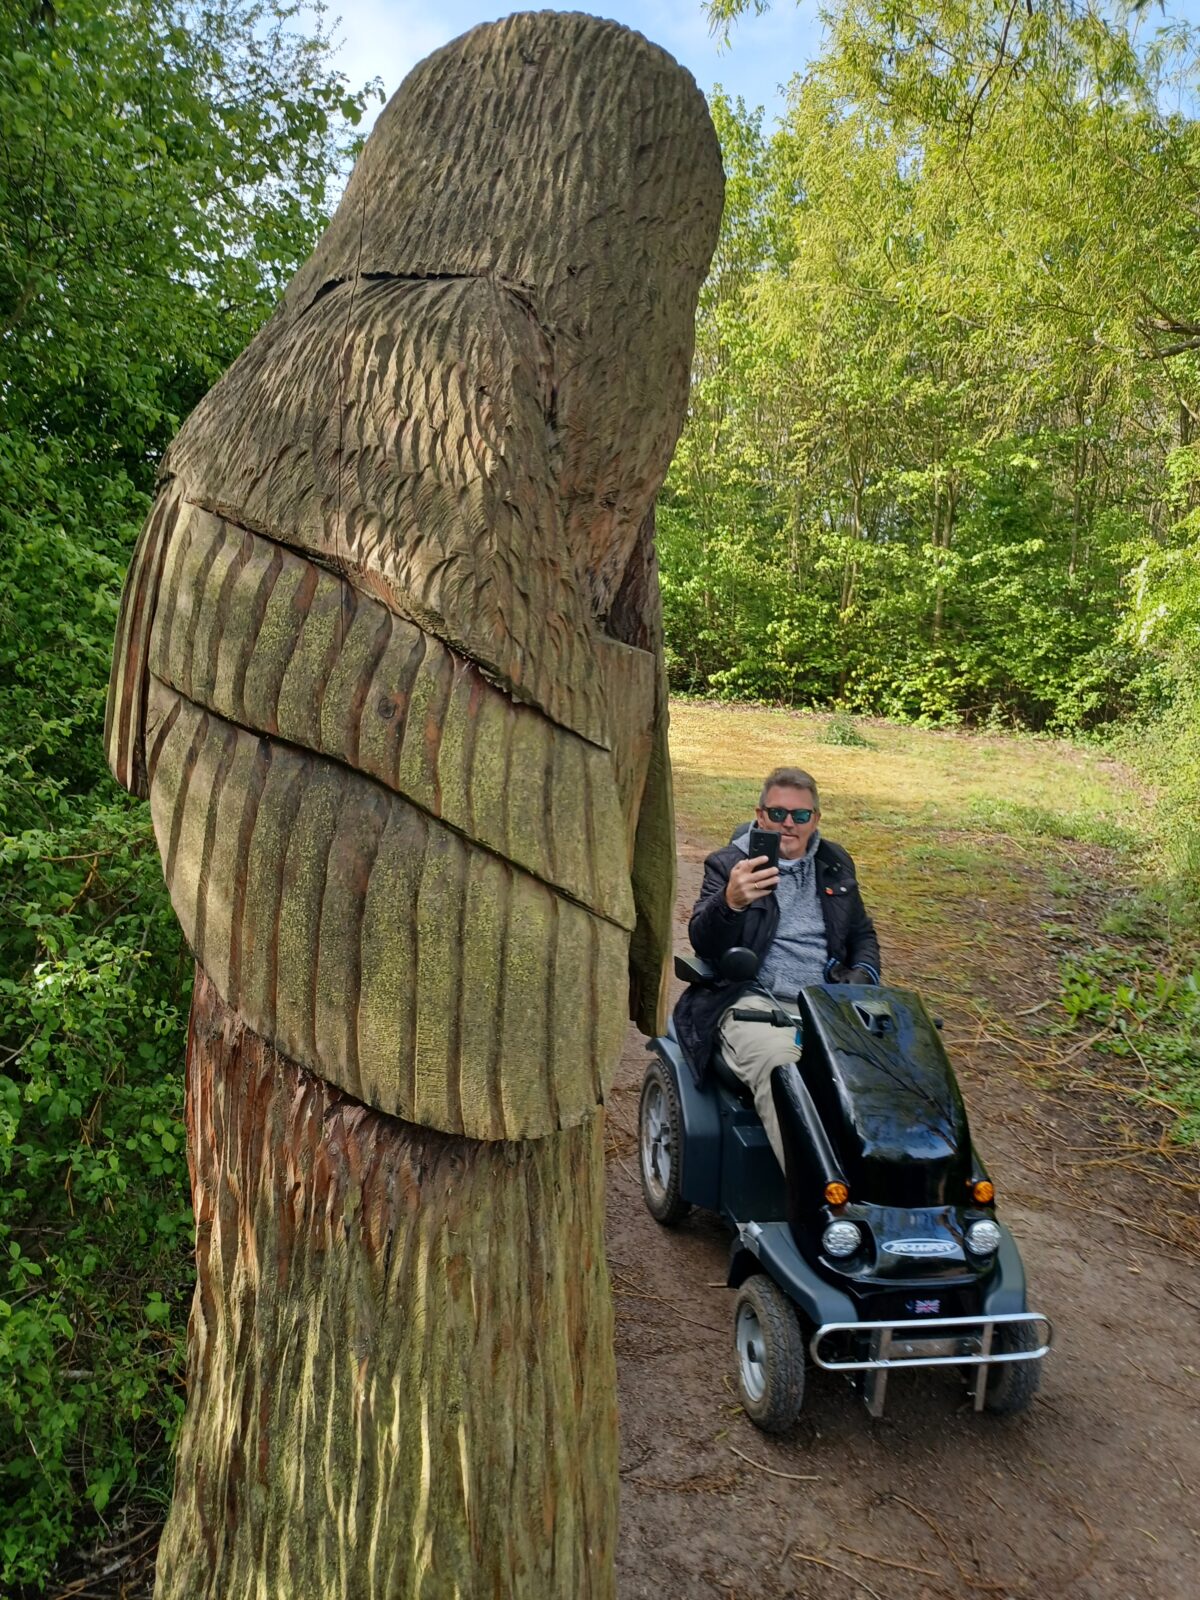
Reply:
x=389, y=661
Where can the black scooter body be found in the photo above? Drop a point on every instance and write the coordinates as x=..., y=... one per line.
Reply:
x=873, y=1105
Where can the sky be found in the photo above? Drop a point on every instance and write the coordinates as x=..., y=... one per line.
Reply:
x=386, y=38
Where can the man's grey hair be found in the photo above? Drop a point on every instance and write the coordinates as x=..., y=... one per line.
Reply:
x=790, y=778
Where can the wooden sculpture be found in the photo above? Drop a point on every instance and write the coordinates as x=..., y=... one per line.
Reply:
x=389, y=668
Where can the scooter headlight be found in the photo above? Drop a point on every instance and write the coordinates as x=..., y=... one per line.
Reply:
x=841, y=1239
x=983, y=1238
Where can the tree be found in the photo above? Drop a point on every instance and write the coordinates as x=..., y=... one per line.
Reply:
x=959, y=368
x=165, y=167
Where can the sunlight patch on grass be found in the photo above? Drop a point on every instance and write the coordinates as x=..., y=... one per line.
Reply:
x=1097, y=826
x=909, y=776
x=962, y=866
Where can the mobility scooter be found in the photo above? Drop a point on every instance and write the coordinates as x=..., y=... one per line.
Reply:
x=881, y=1248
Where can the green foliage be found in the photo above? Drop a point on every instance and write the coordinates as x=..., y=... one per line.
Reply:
x=66, y=530
x=1049, y=822
x=929, y=468
x=841, y=730
x=1167, y=750
x=1149, y=1019
x=1164, y=622
x=165, y=169
x=95, y=1226
x=166, y=164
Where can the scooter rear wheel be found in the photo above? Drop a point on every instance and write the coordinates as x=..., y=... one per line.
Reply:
x=770, y=1354
x=660, y=1140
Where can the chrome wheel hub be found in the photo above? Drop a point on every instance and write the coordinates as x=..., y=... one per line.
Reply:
x=751, y=1353
x=657, y=1155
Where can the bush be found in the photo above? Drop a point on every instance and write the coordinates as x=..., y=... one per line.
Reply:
x=95, y=1226
x=1154, y=1020
x=842, y=731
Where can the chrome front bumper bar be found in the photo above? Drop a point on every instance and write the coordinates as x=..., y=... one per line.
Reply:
x=928, y=1342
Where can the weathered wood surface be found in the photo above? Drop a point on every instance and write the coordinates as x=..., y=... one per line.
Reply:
x=514, y=271
x=421, y=464
x=400, y=1369
x=287, y=866
x=277, y=644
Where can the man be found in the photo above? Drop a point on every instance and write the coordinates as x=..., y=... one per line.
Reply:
x=806, y=922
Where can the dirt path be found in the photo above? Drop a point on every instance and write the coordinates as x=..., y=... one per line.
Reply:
x=1094, y=1493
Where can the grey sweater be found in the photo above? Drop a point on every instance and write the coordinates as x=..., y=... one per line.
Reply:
x=797, y=954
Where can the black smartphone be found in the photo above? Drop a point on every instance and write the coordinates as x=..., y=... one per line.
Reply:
x=762, y=842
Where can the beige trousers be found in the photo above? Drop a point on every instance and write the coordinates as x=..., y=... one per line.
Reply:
x=753, y=1050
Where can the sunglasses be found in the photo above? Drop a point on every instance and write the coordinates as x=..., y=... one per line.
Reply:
x=797, y=813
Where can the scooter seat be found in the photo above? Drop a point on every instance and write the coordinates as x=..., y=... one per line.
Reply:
x=724, y=1074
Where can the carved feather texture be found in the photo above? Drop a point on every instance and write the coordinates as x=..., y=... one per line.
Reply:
x=423, y=465
x=278, y=645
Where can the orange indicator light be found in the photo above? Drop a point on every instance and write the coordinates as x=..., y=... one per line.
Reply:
x=983, y=1192
x=836, y=1194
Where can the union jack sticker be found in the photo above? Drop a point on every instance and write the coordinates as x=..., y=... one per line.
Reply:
x=926, y=1308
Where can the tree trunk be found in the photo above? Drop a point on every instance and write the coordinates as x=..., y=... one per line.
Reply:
x=401, y=1379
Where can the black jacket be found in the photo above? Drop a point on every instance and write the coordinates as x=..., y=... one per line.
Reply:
x=714, y=928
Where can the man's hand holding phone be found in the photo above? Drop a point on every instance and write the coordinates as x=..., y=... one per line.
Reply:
x=749, y=881
x=757, y=876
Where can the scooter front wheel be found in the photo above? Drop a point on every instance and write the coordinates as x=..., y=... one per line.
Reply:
x=1011, y=1385
x=660, y=1142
